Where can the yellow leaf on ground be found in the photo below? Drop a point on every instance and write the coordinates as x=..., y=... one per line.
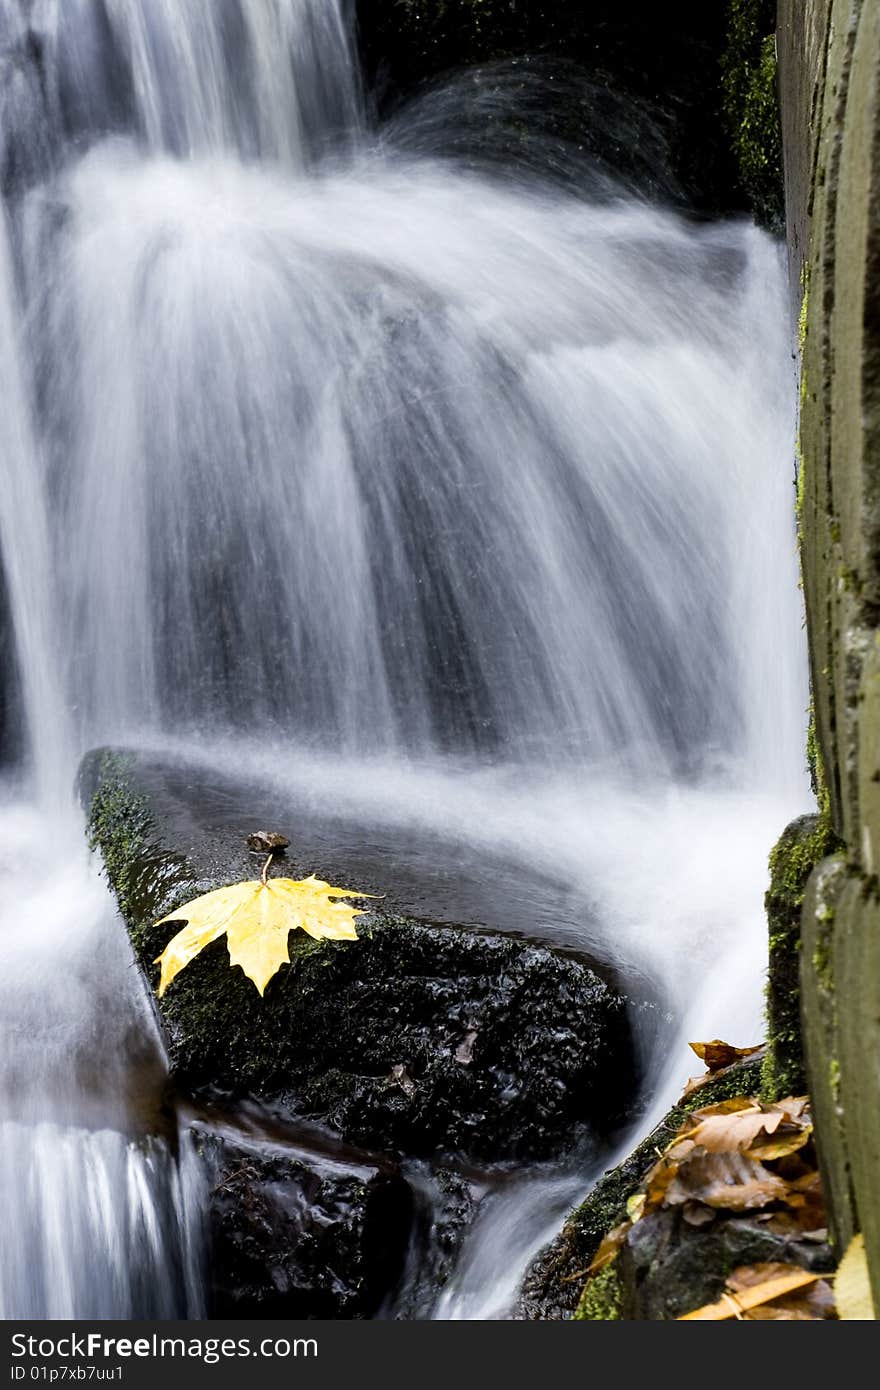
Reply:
x=852, y=1286
x=635, y=1207
x=763, y=1131
x=728, y=1133
x=786, y=1140
x=743, y=1295
x=256, y=918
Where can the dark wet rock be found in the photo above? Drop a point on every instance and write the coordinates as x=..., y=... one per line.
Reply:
x=299, y=1234
x=549, y=1035
x=445, y=1204
x=669, y=1267
x=415, y=1039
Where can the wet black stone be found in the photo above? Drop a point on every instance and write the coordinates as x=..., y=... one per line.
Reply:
x=300, y=1235
x=364, y=1035
x=416, y=1039
x=669, y=1267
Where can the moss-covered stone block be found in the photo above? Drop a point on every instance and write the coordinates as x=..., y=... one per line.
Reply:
x=828, y=891
x=414, y=1039
x=868, y=763
x=802, y=845
x=830, y=83
x=857, y=1084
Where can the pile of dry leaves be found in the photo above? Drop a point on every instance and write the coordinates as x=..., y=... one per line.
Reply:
x=747, y=1156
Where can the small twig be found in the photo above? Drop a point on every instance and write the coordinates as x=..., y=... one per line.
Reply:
x=230, y=1177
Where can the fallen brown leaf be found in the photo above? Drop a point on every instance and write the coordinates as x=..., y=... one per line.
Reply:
x=725, y=1181
x=750, y=1287
x=813, y=1304
x=732, y=1132
x=697, y=1214
x=757, y=1275
x=717, y=1054
x=784, y=1141
x=610, y=1246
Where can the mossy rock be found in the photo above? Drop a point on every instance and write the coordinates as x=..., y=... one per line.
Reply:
x=802, y=845
x=296, y=1236
x=415, y=1039
x=554, y=1284
x=668, y=1267
x=603, y=1297
x=751, y=107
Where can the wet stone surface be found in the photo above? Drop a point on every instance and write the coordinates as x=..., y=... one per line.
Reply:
x=296, y=1234
x=417, y=1039
x=351, y=1119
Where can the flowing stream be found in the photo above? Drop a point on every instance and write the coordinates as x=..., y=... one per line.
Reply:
x=445, y=495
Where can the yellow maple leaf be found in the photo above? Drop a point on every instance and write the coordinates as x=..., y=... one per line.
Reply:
x=257, y=917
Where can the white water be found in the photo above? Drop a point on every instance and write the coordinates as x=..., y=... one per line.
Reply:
x=450, y=501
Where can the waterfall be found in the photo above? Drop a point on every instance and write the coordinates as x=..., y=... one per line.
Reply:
x=443, y=493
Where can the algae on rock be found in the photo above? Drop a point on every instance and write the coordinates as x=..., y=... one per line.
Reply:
x=603, y=1297
x=751, y=106
x=802, y=845
x=552, y=1288
x=414, y=1039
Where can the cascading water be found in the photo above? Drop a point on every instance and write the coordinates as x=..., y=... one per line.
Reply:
x=455, y=501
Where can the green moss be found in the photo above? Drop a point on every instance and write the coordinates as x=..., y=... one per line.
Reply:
x=801, y=847
x=822, y=961
x=817, y=767
x=751, y=106
x=799, y=504
x=140, y=874
x=119, y=826
x=803, y=316
x=602, y=1298
x=742, y=1080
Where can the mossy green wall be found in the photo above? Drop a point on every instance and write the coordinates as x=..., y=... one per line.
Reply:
x=751, y=106
x=829, y=56
x=803, y=845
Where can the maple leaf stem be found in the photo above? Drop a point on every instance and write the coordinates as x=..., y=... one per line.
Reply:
x=264, y=875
